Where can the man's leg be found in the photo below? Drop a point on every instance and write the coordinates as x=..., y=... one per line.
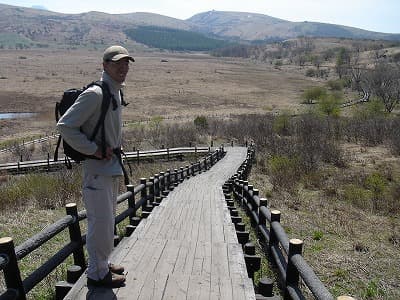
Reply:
x=98, y=196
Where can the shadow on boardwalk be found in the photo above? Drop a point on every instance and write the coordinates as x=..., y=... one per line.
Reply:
x=186, y=249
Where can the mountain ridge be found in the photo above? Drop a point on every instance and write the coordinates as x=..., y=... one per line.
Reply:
x=38, y=27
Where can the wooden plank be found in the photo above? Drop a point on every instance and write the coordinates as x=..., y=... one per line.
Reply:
x=186, y=249
x=139, y=270
x=237, y=265
x=199, y=287
x=169, y=257
x=154, y=287
x=219, y=259
x=176, y=288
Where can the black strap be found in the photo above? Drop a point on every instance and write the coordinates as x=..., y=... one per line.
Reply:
x=58, y=146
x=118, y=152
x=57, y=111
x=122, y=98
x=68, y=162
x=107, y=96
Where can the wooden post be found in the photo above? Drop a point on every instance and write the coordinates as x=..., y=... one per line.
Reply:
x=157, y=191
x=254, y=207
x=131, y=201
x=168, y=154
x=162, y=182
x=151, y=190
x=143, y=193
x=265, y=287
x=137, y=156
x=182, y=175
x=262, y=220
x=292, y=274
x=75, y=235
x=168, y=183
x=188, y=171
x=242, y=192
x=12, y=275
x=253, y=261
x=273, y=239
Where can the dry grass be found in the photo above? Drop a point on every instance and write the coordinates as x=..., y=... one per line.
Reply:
x=178, y=89
x=353, y=250
x=356, y=251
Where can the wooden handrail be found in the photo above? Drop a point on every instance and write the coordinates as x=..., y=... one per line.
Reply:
x=286, y=254
x=10, y=255
x=48, y=163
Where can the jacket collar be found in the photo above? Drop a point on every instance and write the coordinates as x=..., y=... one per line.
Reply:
x=112, y=83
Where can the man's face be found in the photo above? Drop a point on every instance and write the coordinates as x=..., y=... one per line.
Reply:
x=117, y=70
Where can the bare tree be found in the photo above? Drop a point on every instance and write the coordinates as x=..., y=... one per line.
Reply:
x=384, y=82
x=342, y=62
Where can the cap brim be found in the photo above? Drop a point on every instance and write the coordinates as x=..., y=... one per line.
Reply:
x=120, y=56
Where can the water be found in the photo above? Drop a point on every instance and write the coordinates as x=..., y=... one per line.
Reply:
x=16, y=115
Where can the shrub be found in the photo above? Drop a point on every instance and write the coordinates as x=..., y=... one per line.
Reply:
x=330, y=105
x=311, y=72
x=377, y=184
x=371, y=109
x=201, y=122
x=335, y=85
x=45, y=190
x=317, y=235
x=313, y=94
x=281, y=124
x=284, y=171
x=357, y=196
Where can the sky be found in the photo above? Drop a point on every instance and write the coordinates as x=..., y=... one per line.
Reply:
x=373, y=15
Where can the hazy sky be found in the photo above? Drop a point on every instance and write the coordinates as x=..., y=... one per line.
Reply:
x=374, y=15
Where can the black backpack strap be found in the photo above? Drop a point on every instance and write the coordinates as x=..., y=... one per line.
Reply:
x=57, y=111
x=118, y=152
x=122, y=98
x=58, y=146
x=67, y=162
x=104, y=108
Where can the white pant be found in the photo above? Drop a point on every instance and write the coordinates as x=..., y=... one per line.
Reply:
x=100, y=198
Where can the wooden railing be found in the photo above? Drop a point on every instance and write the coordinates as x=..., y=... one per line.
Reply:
x=147, y=194
x=27, y=143
x=49, y=164
x=282, y=252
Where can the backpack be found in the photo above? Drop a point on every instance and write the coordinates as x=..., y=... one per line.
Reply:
x=69, y=97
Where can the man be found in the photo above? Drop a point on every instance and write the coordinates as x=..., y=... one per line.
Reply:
x=100, y=176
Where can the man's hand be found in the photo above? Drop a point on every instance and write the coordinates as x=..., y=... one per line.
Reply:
x=99, y=153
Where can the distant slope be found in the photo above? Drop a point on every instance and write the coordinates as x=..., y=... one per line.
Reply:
x=174, y=39
x=86, y=29
x=29, y=27
x=250, y=26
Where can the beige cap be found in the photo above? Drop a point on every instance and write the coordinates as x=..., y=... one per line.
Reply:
x=115, y=53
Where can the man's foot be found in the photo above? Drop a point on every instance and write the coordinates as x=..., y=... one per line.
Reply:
x=111, y=280
x=116, y=269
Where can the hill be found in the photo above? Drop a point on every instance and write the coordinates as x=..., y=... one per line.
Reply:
x=28, y=27
x=253, y=27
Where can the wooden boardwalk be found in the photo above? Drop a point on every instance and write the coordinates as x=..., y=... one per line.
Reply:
x=186, y=249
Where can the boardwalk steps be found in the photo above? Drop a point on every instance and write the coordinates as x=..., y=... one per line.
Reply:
x=186, y=249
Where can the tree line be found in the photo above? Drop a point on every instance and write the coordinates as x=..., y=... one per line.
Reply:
x=173, y=39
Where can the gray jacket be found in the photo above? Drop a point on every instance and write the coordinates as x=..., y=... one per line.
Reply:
x=77, y=125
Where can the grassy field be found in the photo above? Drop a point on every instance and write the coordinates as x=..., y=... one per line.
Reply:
x=351, y=245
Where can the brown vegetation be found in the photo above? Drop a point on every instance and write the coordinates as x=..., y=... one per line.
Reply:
x=334, y=178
